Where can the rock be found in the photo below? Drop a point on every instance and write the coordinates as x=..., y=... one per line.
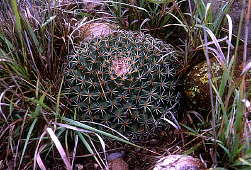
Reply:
x=196, y=86
x=94, y=30
x=118, y=164
x=196, y=82
x=115, y=155
x=179, y=162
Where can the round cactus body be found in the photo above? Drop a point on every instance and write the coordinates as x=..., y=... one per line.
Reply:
x=125, y=81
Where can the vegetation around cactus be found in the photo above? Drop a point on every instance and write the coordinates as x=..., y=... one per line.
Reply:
x=125, y=80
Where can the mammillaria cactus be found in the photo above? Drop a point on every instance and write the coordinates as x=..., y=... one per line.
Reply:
x=124, y=80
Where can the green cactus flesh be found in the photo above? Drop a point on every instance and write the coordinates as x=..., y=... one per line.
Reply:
x=125, y=81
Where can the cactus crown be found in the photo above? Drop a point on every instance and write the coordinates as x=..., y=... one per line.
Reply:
x=124, y=80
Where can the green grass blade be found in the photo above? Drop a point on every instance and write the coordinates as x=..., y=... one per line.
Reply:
x=7, y=42
x=201, y=8
x=76, y=123
x=27, y=140
x=88, y=147
x=19, y=30
x=37, y=47
x=58, y=97
x=221, y=15
x=223, y=83
x=40, y=104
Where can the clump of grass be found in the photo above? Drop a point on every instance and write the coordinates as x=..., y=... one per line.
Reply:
x=35, y=124
x=30, y=67
x=146, y=16
x=192, y=22
x=228, y=135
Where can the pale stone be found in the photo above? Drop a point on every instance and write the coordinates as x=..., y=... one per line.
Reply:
x=179, y=162
x=95, y=30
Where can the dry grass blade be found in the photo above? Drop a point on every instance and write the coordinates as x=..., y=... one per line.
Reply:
x=101, y=141
x=209, y=72
x=74, y=150
x=230, y=34
x=59, y=148
x=37, y=151
x=171, y=123
x=214, y=39
x=39, y=160
x=71, y=127
x=3, y=104
x=105, y=164
x=246, y=68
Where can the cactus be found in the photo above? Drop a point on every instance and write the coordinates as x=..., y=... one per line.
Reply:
x=125, y=81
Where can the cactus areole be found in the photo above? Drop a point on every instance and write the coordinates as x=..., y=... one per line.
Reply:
x=125, y=81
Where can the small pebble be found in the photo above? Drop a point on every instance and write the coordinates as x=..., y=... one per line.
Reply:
x=115, y=155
